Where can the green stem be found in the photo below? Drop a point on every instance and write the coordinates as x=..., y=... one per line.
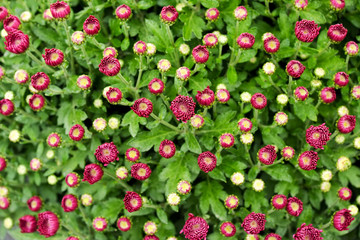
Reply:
x=72, y=230
x=297, y=48
x=347, y=63
x=165, y=123
x=323, y=50
x=220, y=51
x=65, y=72
x=32, y=56
x=289, y=86
x=171, y=37
x=135, y=92
x=234, y=42
x=214, y=110
x=99, y=45
x=326, y=225
x=205, y=111
x=86, y=57
x=249, y=157
x=140, y=72
x=165, y=101
x=125, y=29
x=69, y=44
x=334, y=134
x=122, y=183
x=237, y=58
x=151, y=206
x=274, y=85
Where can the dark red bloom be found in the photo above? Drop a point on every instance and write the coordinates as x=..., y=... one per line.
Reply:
x=48, y=224
x=328, y=94
x=301, y=93
x=167, y=149
x=279, y=201
x=28, y=224
x=6, y=107
x=212, y=14
x=254, y=223
x=342, y=219
x=76, y=132
x=195, y=228
x=207, y=161
x=337, y=33
x=114, y=95
x=227, y=229
x=143, y=107
x=306, y=30
x=69, y=203
x=72, y=238
x=37, y=102
x=11, y=23
x=294, y=206
x=267, y=155
x=3, y=13
x=294, y=68
x=307, y=232
x=345, y=193
x=206, y=97
x=271, y=44
x=34, y=203
x=183, y=107
x=93, y=173
x=123, y=224
x=53, y=57
x=107, y=153
x=308, y=160
x=245, y=40
x=272, y=236
x=16, y=42
x=151, y=237
x=169, y=14
x=40, y=81
x=341, y=79
x=91, y=25
x=109, y=66
x=60, y=9
x=258, y=101
x=156, y=86
x=318, y=136
x=2, y=163
x=200, y=54
x=123, y=12
x=346, y=123
x=226, y=140
x=132, y=201
x=140, y=171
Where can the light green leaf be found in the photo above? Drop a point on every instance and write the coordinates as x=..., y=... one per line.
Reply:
x=192, y=143
x=192, y=24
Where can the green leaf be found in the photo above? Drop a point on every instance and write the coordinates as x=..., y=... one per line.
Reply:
x=162, y=215
x=125, y=44
x=305, y=110
x=46, y=34
x=132, y=120
x=159, y=34
x=314, y=15
x=192, y=24
x=210, y=3
x=246, y=55
x=353, y=175
x=279, y=172
x=231, y=75
x=217, y=174
x=254, y=171
x=198, y=83
x=271, y=137
x=110, y=209
x=192, y=143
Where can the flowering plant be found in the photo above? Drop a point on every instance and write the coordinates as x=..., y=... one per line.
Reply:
x=179, y=119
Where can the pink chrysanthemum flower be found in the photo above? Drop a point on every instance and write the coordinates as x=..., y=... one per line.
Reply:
x=40, y=81
x=132, y=201
x=35, y=164
x=140, y=48
x=197, y=121
x=212, y=14
x=245, y=40
x=245, y=125
x=21, y=76
x=84, y=82
x=37, y=102
x=307, y=232
x=164, y=65
x=99, y=224
x=60, y=10
x=183, y=107
x=294, y=68
x=207, y=161
x=254, y=223
x=93, y=173
x=240, y=13
x=206, y=97
x=351, y=48
x=2, y=163
x=306, y=30
x=78, y=37
x=86, y=199
x=4, y=202
x=16, y=42
x=200, y=54
x=91, y=26
x=346, y=123
x=288, y=153
x=123, y=12
x=53, y=57
x=318, y=136
x=227, y=229
x=271, y=44
x=140, y=171
x=345, y=193
x=48, y=224
x=28, y=224
x=109, y=66
x=337, y=5
x=195, y=228
x=6, y=107
x=54, y=140
x=123, y=224
x=113, y=95
x=279, y=201
x=69, y=203
x=210, y=40
x=258, y=101
x=169, y=15
x=342, y=219
x=3, y=13
x=301, y=4
x=272, y=236
x=2, y=72
x=355, y=92
x=267, y=155
x=183, y=187
x=294, y=206
x=132, y=154
x=107, y=153
x=34, y=203
x=151, y=237
x=73, y=238
x=143, y=107
x=226, y=140
x=337, y=33
x=308, y=160
x=301, y=93
x=110, y=52
x=72, y=179
x=183, y=73
x=341, y=79
x=122, y=173
x=150, y=228
x=328, y=95
x=281, y=118
x=156, y=86
x=222, y=95
x=231, y=202
x=76, y=132
x=167, y=149
x=11, y=23
x=47, y=15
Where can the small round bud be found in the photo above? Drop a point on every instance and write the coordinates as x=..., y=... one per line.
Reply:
x=122, y=173
x=357, y=143
x=282, y=99
x=4, y=33
x=179, y=7
x=237, y=178
x=281, y=118
x=3, y=191
x=342, y=111
x=326, y=175
x=316, y=83
x=121, y=63
x=98, y=103
x=343, y=163
x=150, y=49
x=164, y=65
x=351, y=48
x=258, y=185
x=173, y=199
x=78, y=37
x=99, y=124
x=247, y=138
x=253, y=60
x=269, y=68
x=184, y=187
x=52, y=179
x=319, y=72
x=9, y=95
x=245, y=97
x=358, y=200
x=14, y=136
x=354, y=210
x=114, y=123
x=50, y=154
x=220, y=86
x=184, y=49
x=197, y=121
x=325, y=186
x=340, y=139
x=8, y=223
x=223, y=39
x=21, y=170
x=86, y=199
x=25, y=16
x=47, y=15
x=217, y=33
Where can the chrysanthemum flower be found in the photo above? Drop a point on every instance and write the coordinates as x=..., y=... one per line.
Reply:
x=343, y=163
x=183, y=107
x=151, y=237
x=164, y=65
x=258, y=101
x=169, y=15
x=86, y=199
x=122, y=173
x=197, y=121
x=200, y=54
x=355, y=92
x=11, y=23
x=123, y=12
x=301, y=4
x=271, y=44
x=342, y=111
x=3, y=13
x=14, y=136
x=240, y=13
x=72, y=238
x=140, y=48
x=132, y=201
x=195, y=228
x=237, y=178
x=47, y=15
x=207, y=161
x=206, y=97
x=48, y=224
x=281, y=118
x=150, y=228
x=210, y=40
x=40, y=81
x=294, y=68
x=247, y=138
x=307, y=232
x=84, y=82
x=269, y=68
x=301, y=93
x=2, y=163
x=288, y=153
x=325, y=186
x=150, y=49
x=294, y=206
x=342, y=219
x=337, y=33
x=132, y=154
x=37, y=102
x=183, y=73
x=4, y=202
x=306, y=30
x=173, y=199
x=222, y=95
x=72, y=179
x=78, y=37
x=156, y=86
x=6, y=107
x=143, y=107
x=54, y=140
x=53, y=57
x=318, y=136
x=99, y=224
x=231, y=202
x=114, y=95
x=167, y=149
x=227, y=229
x=351, y=48
x=245, y=40
x=183, y=187
x=346, y=124
x=345, y=193
x=354, y=210
x=28, y=224
x=308, y=160
x=226, y=140
x=254, y=223
x=25, y=16
x=76, y=132
x=69, y=203
x=282, y=99
x=109, y=66
x=267, y=155
x=337, y=5
x=272, y=236
x=140, y=171
x=60, y=10
x=3, y=191
x=114, y=123
x=124, y=224
x=35, y=164
x=92, y=173
x=184, y=49
x=16, y=42
x=212, y=14
x=328, y=95
x=279, y=201
x=91, y=26
x=21, y=76
x=110, y=52
x=107, y=153
x=258, y=185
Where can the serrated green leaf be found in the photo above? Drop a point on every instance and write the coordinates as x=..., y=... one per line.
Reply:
x=192, y=143
x=192, y=24
x=231, y=75
x=279, y=172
